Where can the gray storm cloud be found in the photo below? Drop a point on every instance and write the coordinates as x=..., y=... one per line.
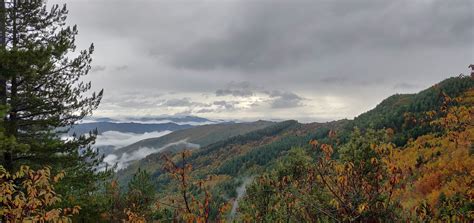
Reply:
x=275, y=34
x=237, y=89
x=183, y=102
x=285, y=100
x=318, y=50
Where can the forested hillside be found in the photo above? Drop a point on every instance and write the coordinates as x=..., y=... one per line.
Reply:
x=407, y=125
x=201, y=135
x=369, y=178
x=393, y=111
x=197, y=137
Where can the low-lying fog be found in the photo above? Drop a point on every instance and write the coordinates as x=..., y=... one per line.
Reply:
x=125, y=158
x=121, y=139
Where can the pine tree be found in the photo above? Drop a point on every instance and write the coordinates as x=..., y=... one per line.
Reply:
x=43, y=91
x=141, y=193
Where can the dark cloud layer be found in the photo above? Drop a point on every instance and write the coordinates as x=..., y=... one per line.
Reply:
x=237, y=89
x=121, y=68
x=285, y=100
x=274, y=34
x=183, y=102
x=315, y=59
x=225, y=92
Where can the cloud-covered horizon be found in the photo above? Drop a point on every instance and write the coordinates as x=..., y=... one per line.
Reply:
x=264, y=59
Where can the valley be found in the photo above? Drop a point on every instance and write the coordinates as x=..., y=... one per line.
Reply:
x=230, y=154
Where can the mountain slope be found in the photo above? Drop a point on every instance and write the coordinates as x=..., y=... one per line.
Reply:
x=205, y=157
x=442, y=164
x=233, y=159
x=201, y=135
x=391, y=112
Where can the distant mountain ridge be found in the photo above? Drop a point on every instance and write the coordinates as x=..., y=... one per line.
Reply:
x=154, y=120
x=175, y=119
x=137, y=128
x=139, y=125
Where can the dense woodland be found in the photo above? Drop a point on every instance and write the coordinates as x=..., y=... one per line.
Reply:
x=410, y=159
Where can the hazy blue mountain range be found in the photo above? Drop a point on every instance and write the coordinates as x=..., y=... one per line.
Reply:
x=192, y=120
x=138, y=128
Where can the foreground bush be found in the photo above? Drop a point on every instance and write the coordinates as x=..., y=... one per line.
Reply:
x=29, y=196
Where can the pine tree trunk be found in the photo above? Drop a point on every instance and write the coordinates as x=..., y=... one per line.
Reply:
x=12, y=128
x=3, y=41
x=2, y=23
x=3, y=82
x=11, y=121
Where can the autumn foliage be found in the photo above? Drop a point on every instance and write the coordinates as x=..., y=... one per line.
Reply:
x=441, y=187
x=189, y=206
x=29, y=195
x=370, y=179
x=315, y=186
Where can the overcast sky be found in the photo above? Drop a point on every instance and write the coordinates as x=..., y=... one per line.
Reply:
x=268, y=59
